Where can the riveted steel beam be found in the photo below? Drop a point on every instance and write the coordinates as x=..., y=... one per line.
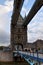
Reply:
x=36, y=6
x=16, y=11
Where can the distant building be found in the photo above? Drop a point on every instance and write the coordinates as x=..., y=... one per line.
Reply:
x=39, y=44
x=29, y=45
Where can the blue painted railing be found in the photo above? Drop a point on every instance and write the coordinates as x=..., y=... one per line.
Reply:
x=31, y=58
x=23, y=54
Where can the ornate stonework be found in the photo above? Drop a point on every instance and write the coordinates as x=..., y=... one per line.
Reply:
x=18, y=33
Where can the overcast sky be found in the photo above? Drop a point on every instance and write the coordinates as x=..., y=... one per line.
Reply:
x=35, y=27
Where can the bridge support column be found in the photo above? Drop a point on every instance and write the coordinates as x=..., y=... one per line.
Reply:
x=18, y=36
x=16, y=12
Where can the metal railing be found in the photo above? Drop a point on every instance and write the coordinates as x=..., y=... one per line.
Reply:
x=33, y=55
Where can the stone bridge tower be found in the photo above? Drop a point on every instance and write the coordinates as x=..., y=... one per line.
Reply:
x=18, y=35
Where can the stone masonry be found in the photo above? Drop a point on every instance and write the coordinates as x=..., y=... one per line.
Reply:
x=18, y=33
x=6, y=56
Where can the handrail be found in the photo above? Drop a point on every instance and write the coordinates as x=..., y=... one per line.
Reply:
x=34, y=56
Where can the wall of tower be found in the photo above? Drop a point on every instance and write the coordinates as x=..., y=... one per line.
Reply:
x=18, y=33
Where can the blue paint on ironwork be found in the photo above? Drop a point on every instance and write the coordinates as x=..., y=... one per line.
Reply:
x=29, y=58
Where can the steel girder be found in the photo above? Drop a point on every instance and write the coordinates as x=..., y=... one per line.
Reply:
x=16, y=11
x=36, y=6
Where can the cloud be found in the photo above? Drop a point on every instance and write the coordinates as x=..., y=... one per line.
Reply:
x=5, y=14
x=23, y=12
x=5, y=17
x=26, y=2
x=5, y=20
x=35, y=27
x=4, y=38
x=7, y=7
x=25, y=8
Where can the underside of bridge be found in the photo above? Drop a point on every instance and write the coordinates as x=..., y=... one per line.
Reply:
x=19, y=25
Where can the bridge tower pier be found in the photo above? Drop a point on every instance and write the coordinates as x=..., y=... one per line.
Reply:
x=18, y=35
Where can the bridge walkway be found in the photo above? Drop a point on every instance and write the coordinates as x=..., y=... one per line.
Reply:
x=31, y=58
